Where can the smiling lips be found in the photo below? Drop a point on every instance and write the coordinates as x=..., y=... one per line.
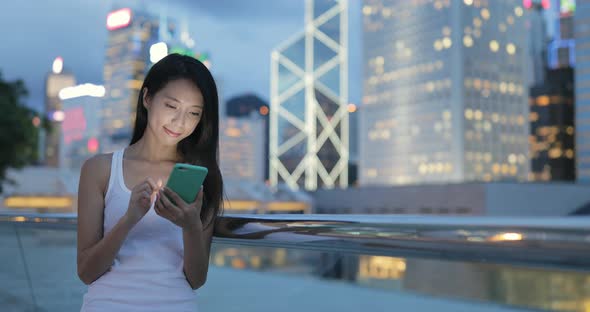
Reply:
x=171, y=133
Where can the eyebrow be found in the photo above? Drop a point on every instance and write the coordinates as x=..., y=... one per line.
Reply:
x=176, y=100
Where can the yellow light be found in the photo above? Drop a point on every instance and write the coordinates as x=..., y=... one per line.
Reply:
x=446, y=31
x=468, y=41
x=510, y=20
x=478, y=115
x=510, y=48
x=19, y=219
x=367, y=10
x=494, y=46
x=468, y=2
x=351, y=108
x=507, y=237
x=512, y=158
x=518, y=11
x=447, y=42
x=233, y=132
x=543, y=100
x=569, y=153
x=287, y=206
x=447, y=115
x=38, y=202
x=477, y=22
x=555, y=153
x=485, y=13
x=438, y=45
x=469, y=114
x=264, y=110
x=242, y=204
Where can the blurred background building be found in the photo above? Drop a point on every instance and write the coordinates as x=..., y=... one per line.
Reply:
x=241, y=149
x=81, y=125
x=136, y=41
x=56, y=80
x=433, y=110
x=582, y=90
x=244, y=106
x=309, y=127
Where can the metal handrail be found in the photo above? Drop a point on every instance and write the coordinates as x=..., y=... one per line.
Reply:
x=561, y=241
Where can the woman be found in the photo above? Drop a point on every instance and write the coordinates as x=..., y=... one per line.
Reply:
x=137, y=249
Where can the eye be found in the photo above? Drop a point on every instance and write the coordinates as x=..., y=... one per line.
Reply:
x=196, y=114
x=170, y=106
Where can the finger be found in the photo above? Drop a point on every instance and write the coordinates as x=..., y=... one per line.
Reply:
x=170, y=206
x=179, y=201
x=153, y=185
x=161, y=211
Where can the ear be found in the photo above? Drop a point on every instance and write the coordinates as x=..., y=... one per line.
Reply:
x=145, y=99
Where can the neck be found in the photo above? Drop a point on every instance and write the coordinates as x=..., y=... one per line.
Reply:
x=148, y=149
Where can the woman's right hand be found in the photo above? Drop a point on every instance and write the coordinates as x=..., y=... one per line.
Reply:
x=141, y=200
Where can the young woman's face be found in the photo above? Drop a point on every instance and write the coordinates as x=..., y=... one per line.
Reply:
x=175, y=111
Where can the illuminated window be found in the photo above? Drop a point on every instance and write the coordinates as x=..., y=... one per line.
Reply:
x=367, y=10
x=518, y=11
x=494, y=46
x=543, y=100
x=510, y=48
x=446, y=31
x=447, y=42
x=478, y=115
x=469, y=114
x=468, y=41
x=485, y=13
x=438, y=45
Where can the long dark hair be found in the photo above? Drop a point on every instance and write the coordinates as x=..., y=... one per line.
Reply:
x=201, y=146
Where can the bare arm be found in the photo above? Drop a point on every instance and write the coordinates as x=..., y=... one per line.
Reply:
x=95, y=252
x=197, y=246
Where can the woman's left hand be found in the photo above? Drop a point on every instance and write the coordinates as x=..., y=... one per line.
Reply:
x=185, y=215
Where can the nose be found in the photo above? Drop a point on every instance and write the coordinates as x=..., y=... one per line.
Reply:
x=179, y=119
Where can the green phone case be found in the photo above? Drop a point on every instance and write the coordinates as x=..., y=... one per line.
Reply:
x=186, y=181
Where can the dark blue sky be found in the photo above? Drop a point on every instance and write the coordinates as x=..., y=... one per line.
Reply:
x=238, y=34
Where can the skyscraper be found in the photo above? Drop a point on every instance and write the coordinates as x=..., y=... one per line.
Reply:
x=243, y=106
x=309, y=94
x=582, y=82
x=131, y=35
x=81, y=125
x=241, y=149
x=56, y=80
x=552, y=127
x=445, y=94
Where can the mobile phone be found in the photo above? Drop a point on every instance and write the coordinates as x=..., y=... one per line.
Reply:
x=186, y=181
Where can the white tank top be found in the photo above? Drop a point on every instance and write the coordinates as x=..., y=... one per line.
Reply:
x=147, y=273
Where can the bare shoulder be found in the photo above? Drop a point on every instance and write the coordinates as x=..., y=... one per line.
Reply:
x=98, y=169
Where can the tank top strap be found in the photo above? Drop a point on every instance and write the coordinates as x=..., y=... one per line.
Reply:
x=115, y=163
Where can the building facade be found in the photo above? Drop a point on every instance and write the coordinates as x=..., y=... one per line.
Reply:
x=309, y=98
x=56, y=80
x=445, y=94
x=582, y=90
